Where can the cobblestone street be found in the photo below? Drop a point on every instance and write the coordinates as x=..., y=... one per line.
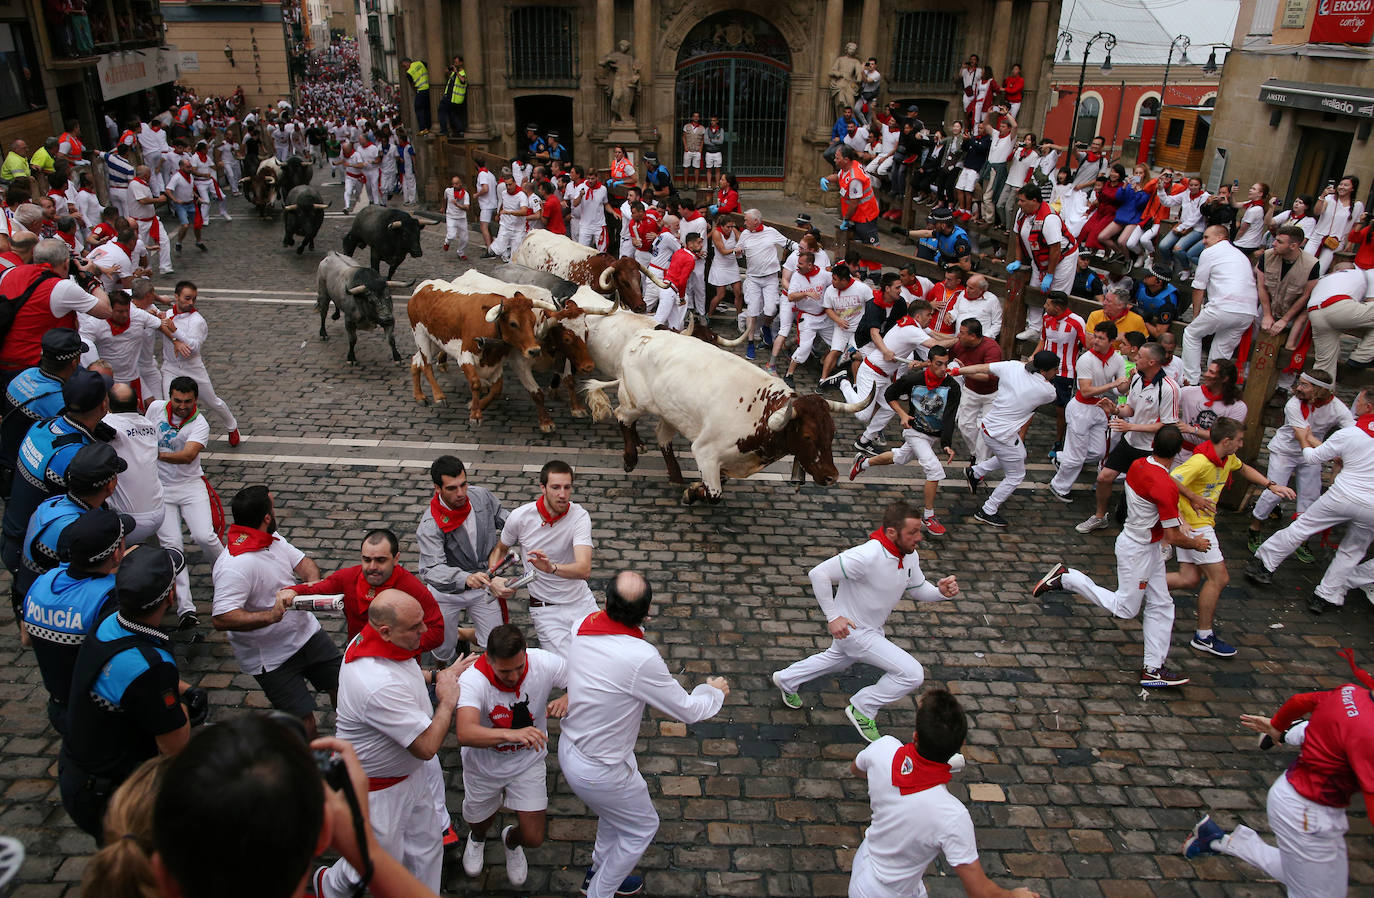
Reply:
x=1079, y=786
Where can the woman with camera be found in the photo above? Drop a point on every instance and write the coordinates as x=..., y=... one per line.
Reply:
x=1336, y=211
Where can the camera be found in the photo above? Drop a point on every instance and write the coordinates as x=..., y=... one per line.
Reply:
x=332, y=768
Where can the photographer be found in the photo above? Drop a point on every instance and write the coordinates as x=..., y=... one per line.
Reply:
x=127, y=703
x=236, y=774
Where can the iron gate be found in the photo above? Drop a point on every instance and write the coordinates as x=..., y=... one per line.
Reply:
x=750, y=94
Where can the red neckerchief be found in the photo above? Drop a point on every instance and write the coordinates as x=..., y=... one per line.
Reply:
x=448, y=519
x=1211, y=397
x=1193, y=195
x=370, y=644
x=1366, y=424
x=931, y=383
x=878, y=299
x=1124, y=313
x=484, y=667
x=1090, y=156
x=248, y=539
x=1349, y=656
x=369, y=592
x=1208, y=450
x=202, y=157
x=1023, y=152
x=1292, y=218
x=70, y=240
x=889, y=545
x=907, y=321
x=912, y=773
x=1250, y=203
x=549, y=519
x=1052, y=322
x=757, y=229
x=85, y=190
x=600, y=624
x=117, y=329
x=141, y=181
x=1103, y=357
x=184, y=421
x=1308, y=407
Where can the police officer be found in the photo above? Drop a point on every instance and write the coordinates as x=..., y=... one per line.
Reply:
x=127, y=702
x=944, y=241
x=65, y=604
x=43, y=459
x=418, y=74
x=35, y=394
x=91, y=479
x=1157, y=301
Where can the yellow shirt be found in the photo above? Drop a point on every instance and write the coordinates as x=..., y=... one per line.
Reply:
x=15, y=166
x=419, y=75
x=1124, y=325
x=1207, y=480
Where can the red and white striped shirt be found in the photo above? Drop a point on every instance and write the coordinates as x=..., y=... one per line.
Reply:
x=1065, y=337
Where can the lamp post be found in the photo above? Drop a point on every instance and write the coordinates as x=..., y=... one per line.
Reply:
x=1180, y=40
x=1109, y=41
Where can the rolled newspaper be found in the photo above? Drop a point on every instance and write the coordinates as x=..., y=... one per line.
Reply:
x=317, y=604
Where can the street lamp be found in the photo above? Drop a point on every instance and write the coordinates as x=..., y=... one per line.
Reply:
x=1179, y=41
x=1109, y=41
x=1063, y=41
x=1210, y=66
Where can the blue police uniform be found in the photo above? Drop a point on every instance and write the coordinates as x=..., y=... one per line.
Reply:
x=946, y=248
x=1157, y=308
x=538, y=146
x=42, y=472
x=125, y=693
x=39, y=551
x=60, y=611
x=31, y=397
x=659, y=178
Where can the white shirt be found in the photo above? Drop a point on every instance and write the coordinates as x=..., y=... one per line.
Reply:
x=121, y=350
x=383, y=707
x=865, y=583
x=174, y=439
x=905, y=341
x=371, y=157
x=986, y=308
x=1322, y=420
x=1019, y=394
x=858, y=140
x=455, y=203
x=610, y=680
x=1019, y=169
x=526, y=528
x=110, y=255
x=1189, y=206
x=152, y=141
x=760, y=250
x=514, y=203
x=250, y=581
x=1001, y=147
x=908, y=832
x=816, y=285
x=1350, y=283
x=1152, y=403
x=1253, y=219
x=849, y=302
x=499, y=708
x=487, y=200
x=191, y=330
x=139, y=488
x=1228, y=277
x=141, y=211
x=180, y=187
x=1355, y=448
x=1100, y=373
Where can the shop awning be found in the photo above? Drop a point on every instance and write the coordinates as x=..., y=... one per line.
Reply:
x=1340, y=99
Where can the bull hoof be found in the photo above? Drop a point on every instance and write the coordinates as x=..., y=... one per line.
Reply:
x=631, y=462
x=337, y=314
x=579, y=412
x=324, y=338
x=474, y=423
x=352, y=361
x=689, y=495
x=548, y=428
x=422, y=400
x=300, y=250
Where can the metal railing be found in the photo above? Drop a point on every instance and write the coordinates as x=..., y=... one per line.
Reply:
x=924, y=48
x=541, y=44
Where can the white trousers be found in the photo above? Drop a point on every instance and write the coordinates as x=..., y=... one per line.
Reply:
x=352, y=187
x=696, y=288
x=626, y=819
x=864, y=881
x=670, y=312
x=483, y=611
x=403, y=820
x=594, y=234
x=1011, y=459
x=510, y=237
x=456, y=231
x=1282, y=467
x=1142, y=240
x=553, y=624
x=190, y=501
x=971, y=407
x=1335, y=507
x=1085, y=439
x=374, y=187
x=921, y=447
x=877, y=413
x=808, y=329
x=647, y=288
x=119, y=198
x=148, y=373
x=157, y=240
x=1225, y=328
x=1310, y=859
x=408, y=188
x=787, y=316
x=146, y=523
x=902, y=675
x=1345, y=571
x=178, y=367
x=1139, y=576
x=761, y=295
x=156, y=179
x=207, y=190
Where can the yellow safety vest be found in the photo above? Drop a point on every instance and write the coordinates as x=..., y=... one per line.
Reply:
x=419, y=75
x=458, y=86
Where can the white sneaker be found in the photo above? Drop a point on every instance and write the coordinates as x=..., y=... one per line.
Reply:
x=474, y=855
x=516, y=866
x=1091, y=524
x=1028, y=334
x=956, y=762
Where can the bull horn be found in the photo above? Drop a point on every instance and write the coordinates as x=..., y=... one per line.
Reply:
x=731, y=344
x=494, y=312
x=269, y=179
x=324, y=205
x=778, y=420
x=424, y=224
x=849, y=408
x=290, y=208
x=400, y=284
x=359, y=290
x=395, y=224
x=651, y=276
x=604, y=281
x=544, y=304
x=689, y=321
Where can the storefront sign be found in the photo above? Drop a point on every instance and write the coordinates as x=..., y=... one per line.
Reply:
x=1318, y=97
x=131, y=71
x=1294, y=14
x=1343, y=22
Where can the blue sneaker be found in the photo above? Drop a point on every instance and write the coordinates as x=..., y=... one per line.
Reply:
x=1213, y=644
x=1199, y=844
x=767, y=335
x=630, y=885
x=749, y=350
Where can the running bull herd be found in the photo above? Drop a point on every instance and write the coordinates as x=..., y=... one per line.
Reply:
x=559, y=311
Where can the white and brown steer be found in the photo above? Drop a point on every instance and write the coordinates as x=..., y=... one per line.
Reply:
x=606, y=274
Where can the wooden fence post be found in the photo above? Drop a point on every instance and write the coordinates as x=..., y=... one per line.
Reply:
x=1259, y=386
x=1014, y=313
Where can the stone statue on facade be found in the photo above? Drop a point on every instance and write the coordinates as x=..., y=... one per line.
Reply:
x=623, y=72
x=846, y=76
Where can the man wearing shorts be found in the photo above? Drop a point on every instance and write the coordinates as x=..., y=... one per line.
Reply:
x=503, y=727
x=282, y=651
x=181, y=195
x=759, y=245
x=714, y=145
x=487, y=204
x=693, y=139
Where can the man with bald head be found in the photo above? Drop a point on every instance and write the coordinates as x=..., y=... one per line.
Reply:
x=1226, y=277
x=613, y=672
x=385, y=711
x=139, y=490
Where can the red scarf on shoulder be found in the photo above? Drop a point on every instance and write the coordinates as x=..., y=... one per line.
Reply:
x=887, y=544
x=600, y=624
x=370, y=644
x=484, y=667
x=448, y=519
x=248, y=539
x=912, y=773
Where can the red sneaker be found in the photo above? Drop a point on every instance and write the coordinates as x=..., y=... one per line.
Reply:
x=856, y=468
x=445, y=247
x=934, y=527
x=234, y=437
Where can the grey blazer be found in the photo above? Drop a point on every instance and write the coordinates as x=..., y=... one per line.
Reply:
x=446, y=559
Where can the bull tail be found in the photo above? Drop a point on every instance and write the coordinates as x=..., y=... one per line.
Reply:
x=597, y=402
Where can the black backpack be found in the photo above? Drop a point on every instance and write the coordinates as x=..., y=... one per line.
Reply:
x=10, y=305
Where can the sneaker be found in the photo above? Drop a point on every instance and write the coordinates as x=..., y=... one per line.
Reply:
x=992, y=519
x=226, y=216
x=1304, y=554
x=449, y=837
x=1213, y=644
x=1316, y=604
x=857, y=467
x=790, y=381
x=176, y=246
x=474, y=855
x=1062, y=497
x=1156, y=677
x=1358, y=365
x=317, y=882
x=834, y=379
x=1052, y=581
x=188, y=621
x=973, y=480
x=517, y=868
x=865, y=447
x=1199, y=844
x=790, y=699
x=1028, y=334
x=771, y=368
x=235, y=437
x=202, y=247
x=1256, y=572
x=767, y=335
x=462, y=257
x=489, y=255
x=630, y=885
x=445, y=247
x=934, y=527
x=749, y=350
x=865, y=725
x=1255, y=540
x=1091, y=524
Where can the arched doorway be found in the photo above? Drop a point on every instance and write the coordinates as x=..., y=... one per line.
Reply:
x=737, y=66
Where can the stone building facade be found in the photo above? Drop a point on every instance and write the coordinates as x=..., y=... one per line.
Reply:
x=762, y=67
